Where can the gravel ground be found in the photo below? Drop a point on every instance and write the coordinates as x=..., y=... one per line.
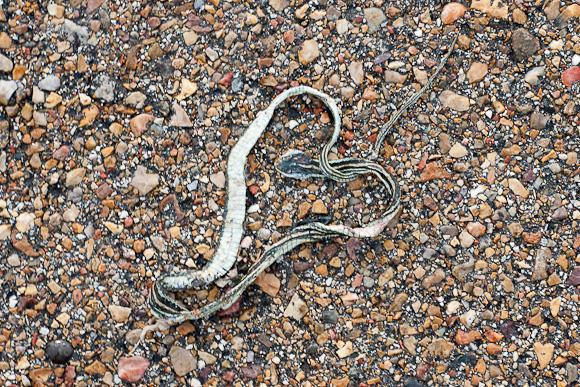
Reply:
x=116, y=120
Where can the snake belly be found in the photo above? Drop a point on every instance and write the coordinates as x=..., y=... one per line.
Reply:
x=164, y=306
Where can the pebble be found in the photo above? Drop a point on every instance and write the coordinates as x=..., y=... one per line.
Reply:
x=308, y=52
x=538, y=120
x=132, y=369
x=219, y=179
x=296, y=309
x=180, y=117
x=356, y=72
x=7, y=89
x=6, y=64
x=49, y=83
x=458, y=151
x=570, y=76
x=452, y=12
x=75, y=177
x=105, y=90
x=476, y=72
x=517, y=188
x=59, y=351
x=374, y=17
x=394, y=77
x=182, y=361
x=524, y=44
x=454, y=101
x=143, y=181
x=119, y=313
x=532, y=77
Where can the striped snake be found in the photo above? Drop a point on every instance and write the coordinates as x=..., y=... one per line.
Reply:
x=293, y=164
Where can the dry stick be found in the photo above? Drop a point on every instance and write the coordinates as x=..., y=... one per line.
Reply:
x=410, y=102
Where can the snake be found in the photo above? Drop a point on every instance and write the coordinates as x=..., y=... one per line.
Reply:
x=294, y=164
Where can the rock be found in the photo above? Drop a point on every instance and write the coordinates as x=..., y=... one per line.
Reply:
x=132, y=369
x=59, y=351
x=143, y=181
x=434, y=279
x=524, y=44
x=96, y=368
x=207, y=357
x=309, y=52
x=495, y=8
x=75, y=177
x=140, y=123
x=544, y=352
x=466, y=239
x=136, y=99
x=105, y=88
x=7, y=88
x=574, y=277
x=517, y=188
x=476, y=72
x=190, y=37
x=75, y=32
x=394, y=77
x=539, y=120
x=540, y=270
x=519, y=16
x=552, y=9
x=374, y=17
x=451, y=12
x=13, y=260
x=454, y=101
x=433, y=171
x=342, y=26
x=180, y=118
x=119, y=313
x=49, y=83
x=278, y=5
x=330, y=316
x=440, y=348
x=182, y=361
x=319, y=208
x=296, y=309
x=356, y=72
x=463, y=269
x=188, y=88
x=5, y=40
x=346, y=350
x=398, y=301
x=569, y=76
x=25, y=221
x=219, y=179
x=458, y=151
x=476, y=229
x=444, y=143
x=532, y=77
x=6, y=64
x=268, y=283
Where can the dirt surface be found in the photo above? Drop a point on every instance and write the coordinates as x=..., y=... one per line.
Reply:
x=116, y=120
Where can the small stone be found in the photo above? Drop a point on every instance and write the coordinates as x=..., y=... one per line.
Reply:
x=49, y=83
x=132, y=369
x=136, y=99
x=434, y=171
x=56, y=10
x=268, y=283
x=119, y=314
x=517, y=188
x=96, y=368
x=75, y=177
x=458, y=151
x=278, y=5
x=13, y=260
x=296, y=309
x=476, y=229
x=180, y=118
x=440, y=348
x=309, y=52
x=494, y=8
x=454, y=101
x=25, y=221
x=466, y=239
x=182, y=361
x=476, y=72
x=552, y=9
x=188, y=88
x=6, y=64
x=207, y=357
x=59, y=351
x=392, y=76
x=5, y=41
x=560, y=214
x=7, y=88
x=451, y=12
x=433, y=279
x=544, y=352
x=571, y=76
x=105, y=88
x=374, y=17
x=346, y=350
x=219, y=179
x=356, y=72
x=342, y=26
x=140, y=123
x=519, y=16
x=524, y=44
x=532, y=77
x=574, y=277
x=538, y=120
x=143, y=181
x=319, y=208
x=540, y=270
x=190, y=37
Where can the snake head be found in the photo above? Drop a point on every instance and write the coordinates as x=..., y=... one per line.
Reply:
x=298, y=165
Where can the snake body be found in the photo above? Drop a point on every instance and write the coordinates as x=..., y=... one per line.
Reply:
x=294, y=164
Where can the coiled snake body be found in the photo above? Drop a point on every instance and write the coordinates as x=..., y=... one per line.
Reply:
x=293, y=164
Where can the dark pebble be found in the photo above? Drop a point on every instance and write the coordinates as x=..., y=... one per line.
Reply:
x=59, y=351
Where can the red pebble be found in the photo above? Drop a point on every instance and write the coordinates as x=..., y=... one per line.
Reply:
x=571, y=76
x=132, y=369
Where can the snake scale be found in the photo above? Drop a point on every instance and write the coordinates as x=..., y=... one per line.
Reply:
x=293, y=164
